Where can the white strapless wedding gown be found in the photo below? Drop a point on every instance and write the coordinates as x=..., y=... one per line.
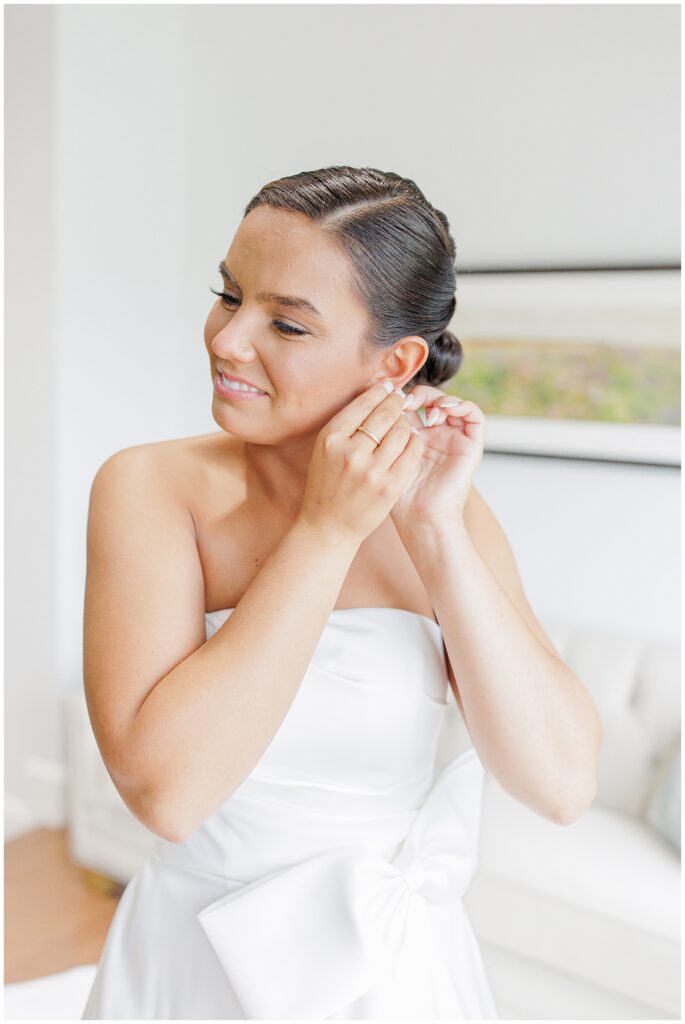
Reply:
x=330, y=884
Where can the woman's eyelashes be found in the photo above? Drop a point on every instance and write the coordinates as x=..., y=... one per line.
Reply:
x=230, y=301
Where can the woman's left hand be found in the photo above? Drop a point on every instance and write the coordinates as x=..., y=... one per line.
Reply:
x=452, y=452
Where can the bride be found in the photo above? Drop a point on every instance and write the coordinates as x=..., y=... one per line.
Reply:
x=273, y=613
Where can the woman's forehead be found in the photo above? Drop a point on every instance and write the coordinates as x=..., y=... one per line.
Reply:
x=292, y=262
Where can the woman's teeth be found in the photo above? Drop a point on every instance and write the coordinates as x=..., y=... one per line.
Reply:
x=235, y=386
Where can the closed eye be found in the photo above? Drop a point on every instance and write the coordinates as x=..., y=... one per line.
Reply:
x=230, y=301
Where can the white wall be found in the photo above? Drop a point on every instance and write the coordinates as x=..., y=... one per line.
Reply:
x=33, y=736
x=597, y=544
x=135, y=137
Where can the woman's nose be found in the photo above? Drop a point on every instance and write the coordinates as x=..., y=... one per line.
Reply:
x=231, y=343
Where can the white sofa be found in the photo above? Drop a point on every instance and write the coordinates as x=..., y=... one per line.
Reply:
x=583, y=921
x=579, y=921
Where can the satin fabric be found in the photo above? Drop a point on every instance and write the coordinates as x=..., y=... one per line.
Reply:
x=330, y=885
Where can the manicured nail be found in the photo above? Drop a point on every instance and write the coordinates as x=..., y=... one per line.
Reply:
x=388, y=385
x=452, y=402
x=432, y=417
x=408, y=401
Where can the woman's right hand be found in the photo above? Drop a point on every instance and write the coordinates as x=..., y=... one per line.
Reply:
x=352, y=483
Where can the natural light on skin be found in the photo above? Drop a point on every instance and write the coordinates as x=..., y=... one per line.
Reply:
x=308, y=378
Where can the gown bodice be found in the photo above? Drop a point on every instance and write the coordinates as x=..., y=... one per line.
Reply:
x=356, y=749
x=368, y=711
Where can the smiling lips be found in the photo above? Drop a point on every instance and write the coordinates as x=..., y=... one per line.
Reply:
x=235, y=388
x=238, y=380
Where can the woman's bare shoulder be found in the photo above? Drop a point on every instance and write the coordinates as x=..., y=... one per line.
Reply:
x=199, y=450
x=192, y=466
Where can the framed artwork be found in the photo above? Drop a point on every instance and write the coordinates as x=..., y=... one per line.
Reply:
x=573, y=364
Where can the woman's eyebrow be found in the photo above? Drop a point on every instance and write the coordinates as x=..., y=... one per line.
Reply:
x=292, y=301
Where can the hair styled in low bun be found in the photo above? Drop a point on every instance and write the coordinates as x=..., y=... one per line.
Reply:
x=400, y=250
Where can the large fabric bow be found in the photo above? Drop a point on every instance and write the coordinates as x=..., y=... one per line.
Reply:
x=308, y=939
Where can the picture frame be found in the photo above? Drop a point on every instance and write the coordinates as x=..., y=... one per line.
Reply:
x=580, y=364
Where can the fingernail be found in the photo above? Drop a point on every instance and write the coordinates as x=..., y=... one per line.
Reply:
x=408, y=401
x=388, y=385
x=399, y=391
x=414, y=430
x=452, y=402
x=432, y=417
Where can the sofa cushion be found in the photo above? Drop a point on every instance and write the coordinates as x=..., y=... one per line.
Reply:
x=598, y=899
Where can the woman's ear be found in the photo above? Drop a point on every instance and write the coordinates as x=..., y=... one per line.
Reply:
x=403, y=360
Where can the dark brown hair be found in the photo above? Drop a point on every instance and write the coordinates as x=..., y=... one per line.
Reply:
x=400, y=250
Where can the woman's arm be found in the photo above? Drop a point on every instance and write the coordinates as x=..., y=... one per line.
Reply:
x=216, y=713
x=532, y=721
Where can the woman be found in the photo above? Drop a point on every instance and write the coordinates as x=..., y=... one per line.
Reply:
x=309, y=864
